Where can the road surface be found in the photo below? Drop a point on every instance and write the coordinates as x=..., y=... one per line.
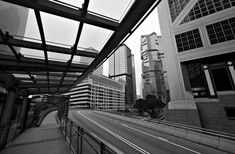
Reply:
x=133, y=139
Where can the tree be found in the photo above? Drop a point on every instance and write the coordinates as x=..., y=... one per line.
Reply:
x=140, y=106
x=151, y=104
x=155, y=107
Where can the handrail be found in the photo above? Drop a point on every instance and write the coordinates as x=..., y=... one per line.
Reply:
x=9, y=131
x=194, y=128
x=186, y=127
x=81, y=140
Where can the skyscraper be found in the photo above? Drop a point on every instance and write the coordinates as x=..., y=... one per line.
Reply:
x=13, y=20
x=122, y=69
x=152, y=68
x=88, y=60
x=199, y=40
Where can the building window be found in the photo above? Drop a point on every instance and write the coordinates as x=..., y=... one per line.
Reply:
x=197, y=80
x=188, y=40
x=230, y=112
x=206, y=7
x=221, y=73
x=176, y=6
x=221, y=31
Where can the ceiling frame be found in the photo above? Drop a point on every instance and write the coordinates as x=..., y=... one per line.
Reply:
x=19, y=64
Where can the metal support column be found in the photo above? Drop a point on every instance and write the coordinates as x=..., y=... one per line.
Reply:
x=8, y=107
x=23, y=110
x=25, y=116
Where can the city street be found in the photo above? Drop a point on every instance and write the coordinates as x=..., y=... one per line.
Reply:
x=130, y=138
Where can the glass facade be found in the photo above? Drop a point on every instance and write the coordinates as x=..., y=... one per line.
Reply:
x=207, y=7
x=118, y=64
x=188, y=40
x=221, y=31
x=176, y=6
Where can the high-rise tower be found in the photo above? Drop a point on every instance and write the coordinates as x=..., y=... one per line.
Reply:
x=121, y=68
x=152, y=68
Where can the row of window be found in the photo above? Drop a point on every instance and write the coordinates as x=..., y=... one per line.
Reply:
x=221, y=31
x=176, y=6
x=218, y=32
x=188, y=40
x=207, y=7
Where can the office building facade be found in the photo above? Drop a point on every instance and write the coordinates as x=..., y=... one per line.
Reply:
x=152, y=67
x=13, y=20
x=199, y=40
x=122, y=69
x=98, y=92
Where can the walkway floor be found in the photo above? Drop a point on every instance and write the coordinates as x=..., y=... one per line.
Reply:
x=46, y=139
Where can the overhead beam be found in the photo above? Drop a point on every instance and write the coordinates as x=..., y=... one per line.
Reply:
x=52, y=74
x=9, y=61
x=41, y=31
x=66, y=12
x=2, y=35
x=84, y=12
x=134, y=15
x=51, y=48
x=40, y=79
x=39, y=69
x=52, y=85
x=34, y=92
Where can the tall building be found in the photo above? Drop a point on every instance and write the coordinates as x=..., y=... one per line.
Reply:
x=152, y=66
x=88, y=60
x=13, y=20
x=199, y=40
x=122, y=69
x=98, y=92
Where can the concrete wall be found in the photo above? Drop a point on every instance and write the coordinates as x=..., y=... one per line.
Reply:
x=213, y=116
x=183, y=116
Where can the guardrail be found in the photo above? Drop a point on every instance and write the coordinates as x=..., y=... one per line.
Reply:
x=215, y=139
x=196, y=129
x=82, y=141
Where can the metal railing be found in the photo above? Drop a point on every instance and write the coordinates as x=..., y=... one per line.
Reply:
x=82, y=141
x=9, y=131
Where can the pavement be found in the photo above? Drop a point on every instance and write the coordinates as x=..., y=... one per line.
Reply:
x=46, y=139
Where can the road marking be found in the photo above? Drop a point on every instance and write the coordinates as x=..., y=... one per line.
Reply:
x=108, y=144
x=163, y=139
x=117, y=136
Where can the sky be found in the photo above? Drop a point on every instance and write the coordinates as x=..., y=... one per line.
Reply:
x=63, y=31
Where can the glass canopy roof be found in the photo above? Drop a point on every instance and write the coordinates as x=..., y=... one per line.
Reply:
x=64, y=40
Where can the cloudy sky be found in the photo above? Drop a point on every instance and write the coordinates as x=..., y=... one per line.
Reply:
x=61, y=30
